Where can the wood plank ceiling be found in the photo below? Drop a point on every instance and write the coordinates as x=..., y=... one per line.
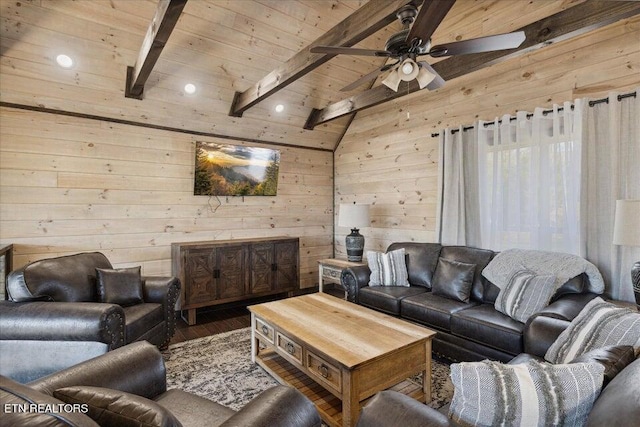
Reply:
x=222, y=47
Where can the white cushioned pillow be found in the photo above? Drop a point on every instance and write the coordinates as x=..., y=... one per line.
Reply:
x=490, y=393
x=525, y=294
x=388, y=269
x=599, y=324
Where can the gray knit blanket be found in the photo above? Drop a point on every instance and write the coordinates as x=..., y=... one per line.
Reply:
x=564, y=266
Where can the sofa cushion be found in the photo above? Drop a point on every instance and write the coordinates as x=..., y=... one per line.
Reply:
x=531, y=394
x=387, y=298
x=14, y=396
x=469, y=255
x=122, y=286
x=525, y=294
x=387, y=269
x=619, y=402
x=115, y=408
x=453, y=279
x=485, y=325
x=599, y=324
x=431, y=310
x=70, y=278
x=192, y=410
x=141, y=318
x=421, y=260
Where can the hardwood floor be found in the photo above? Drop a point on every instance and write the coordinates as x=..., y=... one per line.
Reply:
x=212, y=322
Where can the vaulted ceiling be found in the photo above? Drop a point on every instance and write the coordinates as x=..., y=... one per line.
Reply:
x=222, y=47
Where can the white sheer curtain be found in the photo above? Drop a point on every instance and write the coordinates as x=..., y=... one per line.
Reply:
x=529, y=180
x=457, y=219
x=611, y=161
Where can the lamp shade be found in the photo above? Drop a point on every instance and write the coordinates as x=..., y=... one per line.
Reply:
x=626, y=228
x=353, y=215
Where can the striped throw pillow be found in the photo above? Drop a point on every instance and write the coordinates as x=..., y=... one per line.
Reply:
x=388, y=269
x=599, y=324
x=525, y=294
x=490, y=393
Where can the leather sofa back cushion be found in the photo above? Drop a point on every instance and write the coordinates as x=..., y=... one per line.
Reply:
x=65, y=279
x=421, y=261
x=114, y=408
x=469, y=255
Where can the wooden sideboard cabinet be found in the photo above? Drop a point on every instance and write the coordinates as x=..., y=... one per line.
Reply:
x=217, y=272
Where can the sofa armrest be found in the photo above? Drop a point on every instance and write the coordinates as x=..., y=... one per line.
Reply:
x=63, y=321
x=390, y=408
x=540, y=332
x=165, y=291
x=279, y=406
x=354, y=278
x=136, y=368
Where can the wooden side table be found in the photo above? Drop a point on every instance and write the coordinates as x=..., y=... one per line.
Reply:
x=330, y=270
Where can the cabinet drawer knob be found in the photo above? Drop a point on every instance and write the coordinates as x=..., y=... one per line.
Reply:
x=265, y=330
x=324, y=370
x=290, y=348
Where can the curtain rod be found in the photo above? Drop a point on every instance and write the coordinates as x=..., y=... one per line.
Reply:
x=545, y=112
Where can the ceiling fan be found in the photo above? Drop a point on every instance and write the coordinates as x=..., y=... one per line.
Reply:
x=414, y=41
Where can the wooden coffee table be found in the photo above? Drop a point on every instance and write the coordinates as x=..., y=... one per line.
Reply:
x=338, y=353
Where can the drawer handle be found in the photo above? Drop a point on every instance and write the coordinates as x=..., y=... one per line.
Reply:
x=265, y=330
x=290, y=348
x=324, y=370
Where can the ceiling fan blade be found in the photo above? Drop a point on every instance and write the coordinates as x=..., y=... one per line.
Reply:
x=437, y=82
x=430, y=16
x=368, y=77
x=481, y=44
x=333, y=50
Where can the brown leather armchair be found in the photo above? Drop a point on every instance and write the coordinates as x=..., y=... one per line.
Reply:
x=54, y=319
x=135, y=377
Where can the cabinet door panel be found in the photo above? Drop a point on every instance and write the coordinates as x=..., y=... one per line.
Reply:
x=286, y=254
x=262, y=260
x=232, y=272
x=200, y=284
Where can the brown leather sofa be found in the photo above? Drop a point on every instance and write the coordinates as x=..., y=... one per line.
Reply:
x=467, y=331
x=138, y=370
x=53, y=319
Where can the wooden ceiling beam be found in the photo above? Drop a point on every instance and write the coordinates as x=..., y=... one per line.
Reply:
x=164, y=20
x=569, y=23
x=362, y=23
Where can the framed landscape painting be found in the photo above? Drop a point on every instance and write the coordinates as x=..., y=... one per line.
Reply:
x=235, y=170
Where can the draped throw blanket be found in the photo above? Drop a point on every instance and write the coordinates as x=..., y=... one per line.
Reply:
x=563, y=266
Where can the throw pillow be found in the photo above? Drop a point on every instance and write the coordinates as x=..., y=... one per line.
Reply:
x=388, y=269
x=121, y=286
x=614, y=359
x=525, y=294
x=599, y=324
x=117, y=408
x=453, y=279
x=531, y=394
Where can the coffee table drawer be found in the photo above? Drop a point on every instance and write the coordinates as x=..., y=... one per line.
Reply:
x=265, y=330
x=288, y=347
x=326, y=372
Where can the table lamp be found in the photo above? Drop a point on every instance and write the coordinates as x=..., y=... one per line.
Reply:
x=626, y=232
x=354, y=216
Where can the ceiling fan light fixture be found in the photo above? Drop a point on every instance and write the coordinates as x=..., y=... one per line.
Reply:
x=408, y=70
x=424, y=77
x=392, y=81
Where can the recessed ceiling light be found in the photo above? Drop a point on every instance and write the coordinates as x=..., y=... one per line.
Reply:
x=64, y=61
x=190, y=88
x=279, y=108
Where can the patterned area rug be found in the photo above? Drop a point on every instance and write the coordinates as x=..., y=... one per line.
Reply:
x=219, y=368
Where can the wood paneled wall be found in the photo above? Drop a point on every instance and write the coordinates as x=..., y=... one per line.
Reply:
x=71, y=184
x=391, y=160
